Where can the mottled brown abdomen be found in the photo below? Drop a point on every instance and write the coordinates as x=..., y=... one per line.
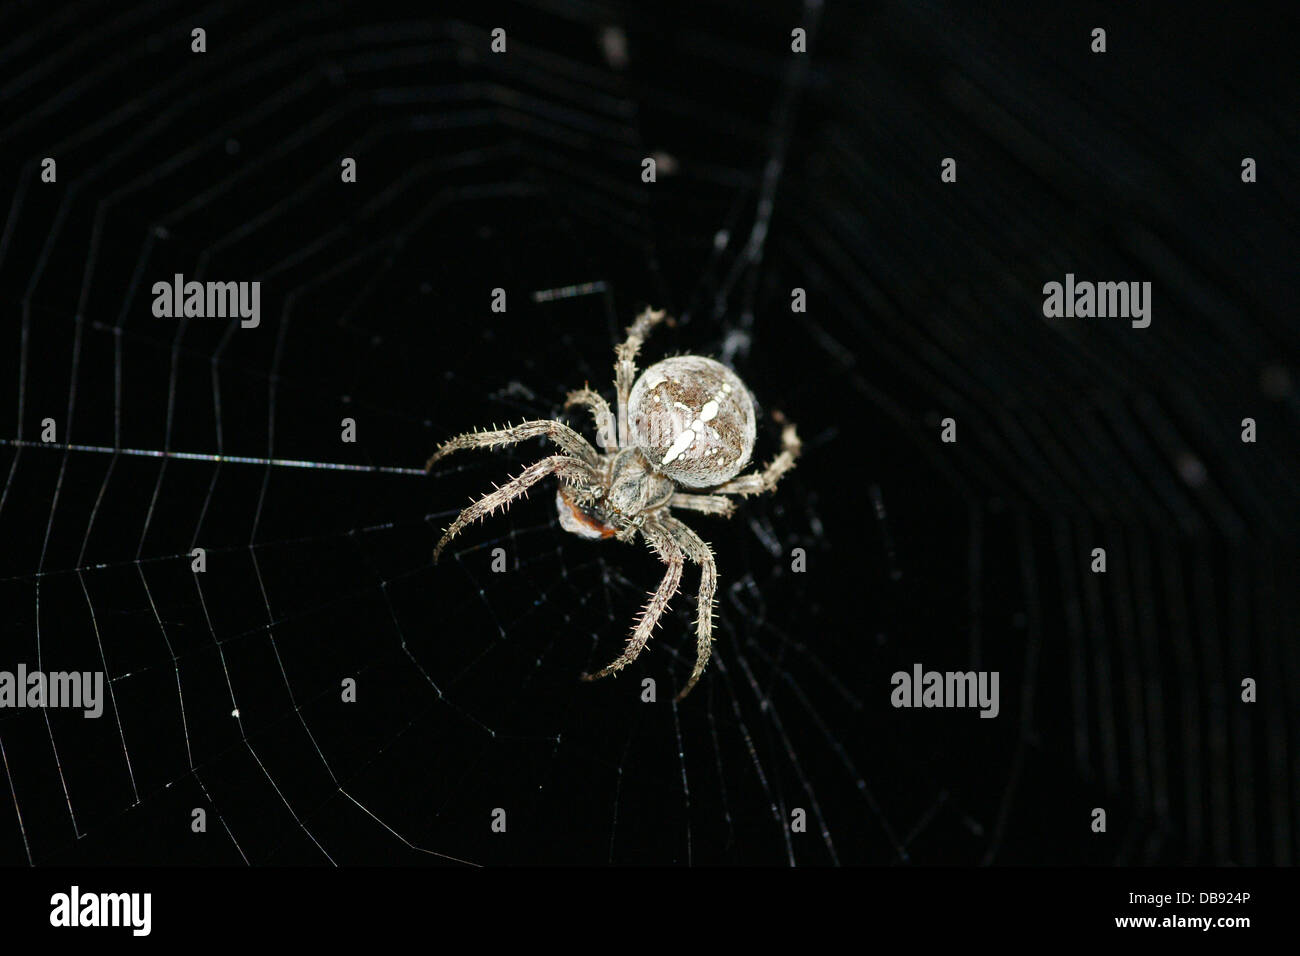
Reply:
x=694, y=419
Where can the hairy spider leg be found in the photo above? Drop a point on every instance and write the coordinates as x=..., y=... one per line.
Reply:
x=563, y=466
x=662, y=542
x=708, y=504
x=698, y=551
x=606, y=430
x=625, y=364
x=558, y=432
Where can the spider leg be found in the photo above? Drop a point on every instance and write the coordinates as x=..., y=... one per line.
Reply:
x=709, y=504
x=558, y=432
x=569, y=469
x=604, y=418
x=700, y=553
x=758, y=482
x=672, y=556
x=625, y=366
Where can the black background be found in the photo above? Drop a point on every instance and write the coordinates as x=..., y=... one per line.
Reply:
x=522, y=171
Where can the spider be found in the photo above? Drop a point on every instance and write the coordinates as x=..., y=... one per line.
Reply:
x=686, y=423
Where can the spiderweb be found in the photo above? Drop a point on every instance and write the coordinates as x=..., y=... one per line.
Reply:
x=521, y=171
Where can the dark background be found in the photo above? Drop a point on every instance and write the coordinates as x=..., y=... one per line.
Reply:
x=522, y=171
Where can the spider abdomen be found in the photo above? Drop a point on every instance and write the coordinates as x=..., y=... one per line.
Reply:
x=693, y=418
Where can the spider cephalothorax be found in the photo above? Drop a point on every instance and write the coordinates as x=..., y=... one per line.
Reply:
x=687, y=422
